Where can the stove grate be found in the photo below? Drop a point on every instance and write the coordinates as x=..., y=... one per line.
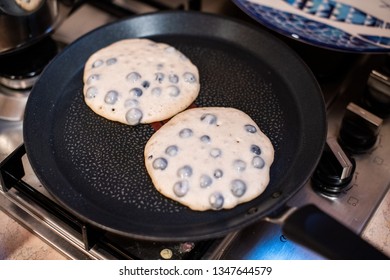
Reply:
x=93, y=241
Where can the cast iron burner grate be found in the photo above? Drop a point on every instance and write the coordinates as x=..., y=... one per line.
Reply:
x=95, y=242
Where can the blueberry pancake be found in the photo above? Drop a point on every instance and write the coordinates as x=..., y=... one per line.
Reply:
x=209, y=158
x=135, y=81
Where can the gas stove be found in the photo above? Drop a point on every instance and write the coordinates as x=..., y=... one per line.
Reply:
x=351, y=182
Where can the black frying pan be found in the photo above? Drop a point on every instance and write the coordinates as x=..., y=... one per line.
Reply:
x=95, y=167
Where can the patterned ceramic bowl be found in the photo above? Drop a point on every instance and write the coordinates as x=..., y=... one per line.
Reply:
x=345, y=25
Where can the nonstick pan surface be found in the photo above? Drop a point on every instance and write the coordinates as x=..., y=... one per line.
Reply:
x=95, y=167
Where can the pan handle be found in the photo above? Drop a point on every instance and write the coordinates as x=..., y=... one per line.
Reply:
x=314, y=229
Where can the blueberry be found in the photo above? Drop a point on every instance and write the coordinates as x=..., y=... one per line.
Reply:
x=156, y=91
x=160, y=163
x=170, y=49
x=111, y=97
x=92, y=78
x=185, y=133
x=134, y=116
x=97, y=63
x=131, y=103
x=172, y=150
x=136, y=92
x=159, y=77
x=218, y=173
x=183, y=57
x=239, y=165
x=238, y=188
x=216, y=200
x=258, y=162
x=181, y=188
x=215, y=152
x=145, y=84
x=173, y=78
x=255, y=149
x=91, y=92
x=111, y=61
x=209, y=118
x=250, y=128
x=173, y=91
x=184, y=172
x=189, y=77
x=205, y=139
x=133, y=77
x=205, y=181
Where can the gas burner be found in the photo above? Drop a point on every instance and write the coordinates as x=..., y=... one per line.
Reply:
x=21, y=68
x=12, y=82
x=18, y=73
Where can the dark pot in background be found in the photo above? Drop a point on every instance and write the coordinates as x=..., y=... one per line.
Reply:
x=23, y=22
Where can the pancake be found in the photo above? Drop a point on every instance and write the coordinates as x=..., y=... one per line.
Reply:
x=135, y=81
x=209, y=158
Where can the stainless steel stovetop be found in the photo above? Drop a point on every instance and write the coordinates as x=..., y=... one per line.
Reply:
x=363, y=205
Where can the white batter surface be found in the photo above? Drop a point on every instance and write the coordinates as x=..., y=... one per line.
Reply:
x=137, y=81
x=210, y=158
